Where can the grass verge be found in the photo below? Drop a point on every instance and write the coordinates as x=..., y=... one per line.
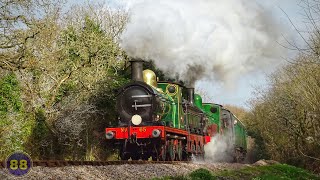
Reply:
x=272, y=172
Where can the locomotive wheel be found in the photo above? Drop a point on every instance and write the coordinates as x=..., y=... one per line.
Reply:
x=155, y=153
x=201, y=152
x=237, y=156
x=122, y=153
x=145, y=157
x=124, y=156
x=193, y=148
x=135, y=157
x=179, y=151
x=198, y=149
x=163, y=152
x=154, y=158
x=172, y=150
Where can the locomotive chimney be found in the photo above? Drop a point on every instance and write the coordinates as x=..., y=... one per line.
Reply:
x=190, y=93
x=136, y=70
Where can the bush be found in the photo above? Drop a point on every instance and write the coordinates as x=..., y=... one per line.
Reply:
x=15, y=126
x=202, y=174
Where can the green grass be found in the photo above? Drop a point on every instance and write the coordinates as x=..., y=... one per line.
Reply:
x=269, y=172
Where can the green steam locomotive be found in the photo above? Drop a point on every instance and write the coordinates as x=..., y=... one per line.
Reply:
x=168, y=121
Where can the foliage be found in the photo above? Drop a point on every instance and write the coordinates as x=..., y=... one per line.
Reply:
x=258, y=151
x=201, y=174
x=9, y=95
x=285, y=117
x=67, y=66
x=14, y=125
x=275, y=171
x=85, y=99
x=172, y=178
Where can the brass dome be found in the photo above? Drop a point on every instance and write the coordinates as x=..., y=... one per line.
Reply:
x=150, y=78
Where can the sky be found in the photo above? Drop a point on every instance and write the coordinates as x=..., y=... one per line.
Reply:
x=243, y=87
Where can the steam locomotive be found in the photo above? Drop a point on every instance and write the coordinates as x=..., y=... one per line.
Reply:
x=168, y=121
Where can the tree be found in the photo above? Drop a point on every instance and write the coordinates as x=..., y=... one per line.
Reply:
x=286, y=114
x=65, y=73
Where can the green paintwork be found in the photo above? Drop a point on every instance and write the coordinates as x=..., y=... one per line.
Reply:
x=214, y=118
x=174, y=116
x=166, y=108
x=174, y=119
x=198, y=101
x=240, y=134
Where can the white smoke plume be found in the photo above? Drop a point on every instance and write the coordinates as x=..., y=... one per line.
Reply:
x=220, y=148
x=202, y=39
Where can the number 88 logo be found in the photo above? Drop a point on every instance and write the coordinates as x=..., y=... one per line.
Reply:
x=18, y=163
x=23, y=165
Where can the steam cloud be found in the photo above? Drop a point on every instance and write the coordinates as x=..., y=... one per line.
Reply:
x=202, y=39
x=219, y=149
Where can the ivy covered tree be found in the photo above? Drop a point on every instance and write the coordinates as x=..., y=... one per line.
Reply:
x=57, y=78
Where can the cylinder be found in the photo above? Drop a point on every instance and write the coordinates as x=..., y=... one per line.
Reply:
x=190, y=92
x=136, y=70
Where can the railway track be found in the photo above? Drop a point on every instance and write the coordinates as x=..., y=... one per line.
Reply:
x=58, y=163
